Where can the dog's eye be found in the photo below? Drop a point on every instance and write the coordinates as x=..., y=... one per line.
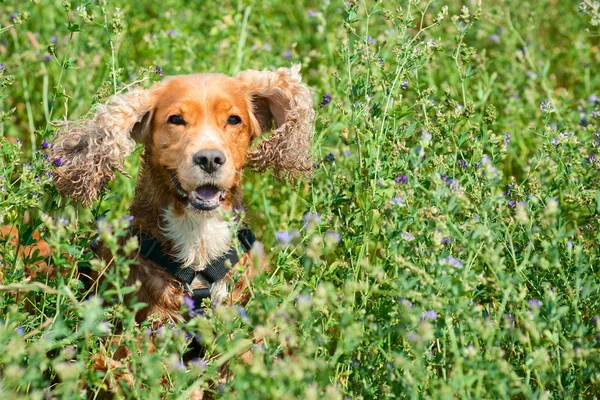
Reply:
x=234, y=120
x=176, y=120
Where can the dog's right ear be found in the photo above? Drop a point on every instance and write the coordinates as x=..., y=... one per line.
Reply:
x=87, y=152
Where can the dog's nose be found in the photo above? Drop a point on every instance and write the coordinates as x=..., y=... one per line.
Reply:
x=209, y=160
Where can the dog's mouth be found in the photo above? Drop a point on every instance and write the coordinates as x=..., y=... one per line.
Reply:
x=204, y=198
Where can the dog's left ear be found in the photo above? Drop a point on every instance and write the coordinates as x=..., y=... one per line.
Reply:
x=280, y=101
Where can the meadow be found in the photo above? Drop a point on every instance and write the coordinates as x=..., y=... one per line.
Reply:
x=445, y=246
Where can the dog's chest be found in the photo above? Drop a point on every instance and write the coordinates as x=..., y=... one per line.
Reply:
x=197, y=240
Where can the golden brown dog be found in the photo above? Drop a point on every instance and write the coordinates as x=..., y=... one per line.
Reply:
x=197, y=131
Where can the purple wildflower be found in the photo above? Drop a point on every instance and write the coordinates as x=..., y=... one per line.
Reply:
x=495, y=38
x=172, y=32
x=462, y=163
x=456, y=263
x=287, y=54
x=407, y=236
x=189, y=304
x=370, y=40
x=446, y=240
x=267, y=47
x=512, y=204
x=254, y=47
x=592, y=158
x=286, y=237
x=534, y=303
x=53, y=39
x=348, y=153
x=311, y=218
x=159, y=71
x=430, y=315
x=546, y=107
x=242, y=313
x=592, y=98
x=57, y=161
x=506, y=140
x=406, y=303
x=325, y=100
x=45, y=144
x=329, y=158
x=333, y=237
x=404, y=85
x=312, y=13
x=401, y=179
x=20, y=331
x=14, y=16
x=397, y=200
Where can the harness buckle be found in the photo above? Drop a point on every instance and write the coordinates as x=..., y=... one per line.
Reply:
x=189, y=288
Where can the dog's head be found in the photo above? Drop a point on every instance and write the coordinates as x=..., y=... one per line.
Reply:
x=197, y=131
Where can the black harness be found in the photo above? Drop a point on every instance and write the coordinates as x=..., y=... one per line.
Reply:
x=214, y=271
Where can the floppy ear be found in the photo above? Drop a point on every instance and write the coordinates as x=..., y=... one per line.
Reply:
x=88, y=152
x=280, y=100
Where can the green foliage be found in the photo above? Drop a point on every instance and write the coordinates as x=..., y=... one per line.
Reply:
x=446, y=245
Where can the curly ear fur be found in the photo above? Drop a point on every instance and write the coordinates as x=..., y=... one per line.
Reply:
x=281, y=99
x=89, y=151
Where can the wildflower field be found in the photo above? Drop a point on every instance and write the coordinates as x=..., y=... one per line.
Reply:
x=445, y=246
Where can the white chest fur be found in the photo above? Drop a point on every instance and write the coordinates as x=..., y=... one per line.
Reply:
x=198, y=239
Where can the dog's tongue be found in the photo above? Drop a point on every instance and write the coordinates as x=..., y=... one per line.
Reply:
x=207, y=193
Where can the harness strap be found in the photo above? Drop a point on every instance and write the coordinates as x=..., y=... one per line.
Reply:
x=214, y=271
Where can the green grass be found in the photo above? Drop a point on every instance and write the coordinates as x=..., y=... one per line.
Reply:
x=467, y=265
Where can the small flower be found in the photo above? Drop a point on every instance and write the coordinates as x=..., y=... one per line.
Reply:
x=242, y=313
x=2, y=69
x=592, y=158
x=407, y=236
x=592, y=98
x=397, y=200
x=267, y=47
x=506, y=140
x=530, y=74
x=404, y=85
x=45, y=144
x=546, y=107
x=159, y=71
x=430, y=315
x=534, y=303
x=325, y=100
x=311, y=218
x=20, y=331
x=348, y=153
x=172, y=32
x=329, y=158
x=312, y=13
x=189, y=304
x=14, y=16
x=446, y=240
x=462, y=163
x=406, y=303
x=456, y=263
x=53, y=39
x=512, y=204
x=370, y=40
x=401, y=179
x=333, y=237
x=285, y=237
x=495, y=38
x=254, y=47
x=287, y=54
x=57, y=161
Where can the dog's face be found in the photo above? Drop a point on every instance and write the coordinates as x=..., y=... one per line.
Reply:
x=202, y=126
x=196, y=130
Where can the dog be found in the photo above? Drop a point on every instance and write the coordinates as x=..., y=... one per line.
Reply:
x=197, y=133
